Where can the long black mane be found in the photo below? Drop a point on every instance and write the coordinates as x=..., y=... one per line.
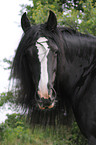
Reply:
x=25, y=85
x=79, y=51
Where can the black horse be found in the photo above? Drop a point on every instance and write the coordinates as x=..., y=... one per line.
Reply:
x=55, y=67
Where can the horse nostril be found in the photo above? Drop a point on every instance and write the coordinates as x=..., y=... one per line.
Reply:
x=46, y=102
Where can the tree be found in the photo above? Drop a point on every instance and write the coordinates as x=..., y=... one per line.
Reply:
x=83, y=19
x=39, y=12
x=6, y=98
x=89, y=18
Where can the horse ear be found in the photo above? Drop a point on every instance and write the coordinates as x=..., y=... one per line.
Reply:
x=25, y=24
x=52, y=21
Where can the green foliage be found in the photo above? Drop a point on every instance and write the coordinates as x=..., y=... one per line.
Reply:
x=82, y=20
x=6, y=98
x=13, y=120
x=5, y=60
x=39, y=13
x=15, y=131
x=77, y=138
x=75, y=4
x=89, y=18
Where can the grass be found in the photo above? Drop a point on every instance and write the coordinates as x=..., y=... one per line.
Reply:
x=21, y=136
x=16, y=132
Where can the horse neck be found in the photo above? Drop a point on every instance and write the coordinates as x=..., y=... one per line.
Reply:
x=78, y=62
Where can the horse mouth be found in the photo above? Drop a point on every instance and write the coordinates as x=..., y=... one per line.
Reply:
x=46, y=102
x=41, y=107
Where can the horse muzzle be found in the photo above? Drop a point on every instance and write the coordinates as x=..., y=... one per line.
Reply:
x=46, y=101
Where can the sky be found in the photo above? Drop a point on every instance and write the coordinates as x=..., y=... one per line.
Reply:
x=10, y=35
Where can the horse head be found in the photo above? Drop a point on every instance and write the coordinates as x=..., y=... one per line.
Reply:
x=38, y=53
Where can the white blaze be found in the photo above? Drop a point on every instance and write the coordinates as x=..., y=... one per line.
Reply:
x=43, y=51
